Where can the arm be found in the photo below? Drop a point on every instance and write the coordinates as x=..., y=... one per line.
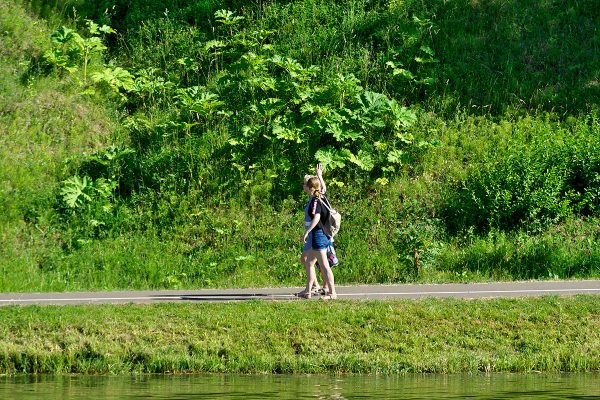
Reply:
x=320, y=176
x=312, y=225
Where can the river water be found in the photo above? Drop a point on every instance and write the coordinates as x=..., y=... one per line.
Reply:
x=494, y=386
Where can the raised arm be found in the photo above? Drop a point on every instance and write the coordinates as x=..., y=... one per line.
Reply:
x=320, y=176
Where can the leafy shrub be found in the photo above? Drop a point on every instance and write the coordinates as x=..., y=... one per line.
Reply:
x=266, y=117
x=87, y=206
x=72, y=52
x=88, y=200
x=531, y=183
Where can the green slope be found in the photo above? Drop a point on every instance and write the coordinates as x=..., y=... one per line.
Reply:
x=460, y=141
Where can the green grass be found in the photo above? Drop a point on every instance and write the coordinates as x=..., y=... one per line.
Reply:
x=425, y=336
x=44, y=123
x=516, y=84
x=180, y=218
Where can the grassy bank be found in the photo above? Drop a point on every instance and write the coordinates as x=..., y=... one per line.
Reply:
x=173, y=157
x=439, y=336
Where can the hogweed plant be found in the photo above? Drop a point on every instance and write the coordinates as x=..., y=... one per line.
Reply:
x=72, y=52
x=278, y=116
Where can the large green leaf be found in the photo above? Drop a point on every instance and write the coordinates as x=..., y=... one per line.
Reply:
x=395, y=156
x=341, y=133
x=363, y=160
x=76, y=191
x=63, y=35
x=403, y=117
x=285, y=131
x=227, y=17
x=116, y=78
x=374, y=103
x=214, y=44
x=332, y=158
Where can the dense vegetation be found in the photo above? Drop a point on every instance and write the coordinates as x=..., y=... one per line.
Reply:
x=162, y=144
x=384, y=337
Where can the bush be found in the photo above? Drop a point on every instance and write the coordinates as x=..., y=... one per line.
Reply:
x=544, y=173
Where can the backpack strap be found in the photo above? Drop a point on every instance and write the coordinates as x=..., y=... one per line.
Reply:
x=325, y=202
x=326, y=206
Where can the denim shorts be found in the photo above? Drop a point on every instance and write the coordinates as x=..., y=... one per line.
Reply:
x=317, y=240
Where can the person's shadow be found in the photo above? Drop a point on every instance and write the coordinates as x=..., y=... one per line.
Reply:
x=215, y=297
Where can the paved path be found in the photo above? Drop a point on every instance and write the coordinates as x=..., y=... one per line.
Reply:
x=371, y=292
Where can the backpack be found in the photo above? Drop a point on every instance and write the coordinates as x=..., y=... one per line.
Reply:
x=331, y=225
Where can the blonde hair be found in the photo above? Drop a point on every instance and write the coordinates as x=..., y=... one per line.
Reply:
x=313, y=183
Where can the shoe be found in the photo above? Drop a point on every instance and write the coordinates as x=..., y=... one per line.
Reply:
x=303, y=295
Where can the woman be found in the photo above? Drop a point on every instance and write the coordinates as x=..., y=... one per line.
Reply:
x=315, y=240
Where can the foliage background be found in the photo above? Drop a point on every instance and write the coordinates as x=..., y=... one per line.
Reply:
x=460, y=140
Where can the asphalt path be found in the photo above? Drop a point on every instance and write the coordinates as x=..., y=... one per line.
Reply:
x=363, y=292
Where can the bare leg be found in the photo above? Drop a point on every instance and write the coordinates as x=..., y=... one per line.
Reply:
x=324, y=276
x=316, y=287
x=307, y=259
x=328, y=278
x=311, y=277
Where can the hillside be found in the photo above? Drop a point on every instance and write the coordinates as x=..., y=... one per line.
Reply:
x=163, y=144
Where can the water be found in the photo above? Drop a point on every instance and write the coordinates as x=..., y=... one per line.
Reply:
x=496, y=386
